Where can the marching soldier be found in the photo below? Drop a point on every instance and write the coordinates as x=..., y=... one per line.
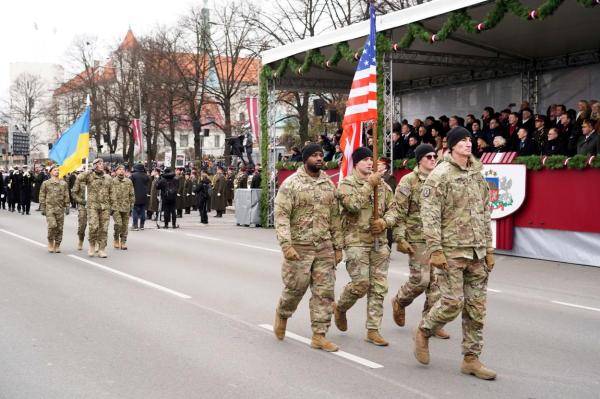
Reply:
x=456, y=227
x=122, y=201
x=409, y=239
x=309, y=232
x=54, y=203
x=78, y=195
x=365, y=242
x=98, y=203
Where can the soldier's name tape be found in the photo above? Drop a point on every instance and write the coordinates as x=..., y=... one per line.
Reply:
x=345, y=355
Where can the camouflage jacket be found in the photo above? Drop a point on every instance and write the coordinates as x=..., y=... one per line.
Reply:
x=98, y=189
x=78, y=190
x=455, y=211
x=355, y=196
x=122, y=196
x=54, y=195
x=306, y=211
x=408, y=201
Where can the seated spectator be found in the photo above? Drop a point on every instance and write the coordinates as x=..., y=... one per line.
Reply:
x=469, y=121
x=296, y=155
x=568, y=133
x=500, y=144
x=540, y=135
x=436, y=135
x=584, y=112
x=595, y=115
x=397, y=145
x=417, y=123
x=495, y=129
x=477, y=133
x=511, y=131
x=412, y=145
x=441, y=153
x=429, y=121
x=445, y=124
x=424, y=136
x=503, y=119
x=486, y=116
x=554, y=145
x=528, y=121
x=383, y=165
x=453, y=121
x=525, y=145
x=338, y=156
x=482, y=147
x=588, y=142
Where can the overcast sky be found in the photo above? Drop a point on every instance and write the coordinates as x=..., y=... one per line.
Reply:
x=42, y=30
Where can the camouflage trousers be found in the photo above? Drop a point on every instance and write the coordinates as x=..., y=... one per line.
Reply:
x=81, y=222
x=463, y=287
x=422, y=278
x=368, y=270
x=315, y=269
x=56, y=221
x=121, y=220
x=98, y=226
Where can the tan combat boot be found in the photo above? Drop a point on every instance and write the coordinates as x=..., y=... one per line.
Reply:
x=340, y=318
x=421, y=346
x=320, y=342
x=102, y=253
x=51, y=247
x=399, y=312
x=80, y=245
x=117, y=244
x=441, y=334
x=56, y=247
x=123, y=245
x=471, y=365
x=375, y=338
x=92, y=249
x=279, y=326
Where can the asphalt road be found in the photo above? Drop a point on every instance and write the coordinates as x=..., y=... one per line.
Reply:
x=186, y=314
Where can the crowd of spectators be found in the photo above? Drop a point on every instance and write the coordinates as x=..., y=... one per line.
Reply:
x=560, y=131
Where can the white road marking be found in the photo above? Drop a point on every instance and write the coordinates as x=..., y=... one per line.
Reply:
x=39, y=244
x=234, y=243
x=493, y=290
x=576, y=306
x=345, y=355
x=133, y=278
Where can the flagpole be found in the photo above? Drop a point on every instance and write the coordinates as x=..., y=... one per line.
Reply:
x=376, y=188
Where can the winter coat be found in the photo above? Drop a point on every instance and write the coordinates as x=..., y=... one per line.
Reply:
x=166, y=182
x=218, y=200
x=140, y=180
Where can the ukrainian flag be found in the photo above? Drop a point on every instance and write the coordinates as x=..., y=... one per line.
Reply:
x=73, y=145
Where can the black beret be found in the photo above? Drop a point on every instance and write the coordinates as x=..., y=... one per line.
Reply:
x=455, y=135
x=422, y=150
x=310, y=149
x=361, y=153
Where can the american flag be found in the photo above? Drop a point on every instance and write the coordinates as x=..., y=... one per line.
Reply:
x=362, y=100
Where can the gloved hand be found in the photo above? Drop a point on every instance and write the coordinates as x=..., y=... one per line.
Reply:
x=1, y=195
x=438, y=259
x=403, y=246
x=338, y=256
x=112, y=212
x=374, y=179
x=490, y=259
x=218, y=194
x=378, y=226
x=43, y=212
x=290, y=253
x=67, y=210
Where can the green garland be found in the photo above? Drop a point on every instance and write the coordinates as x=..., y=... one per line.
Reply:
x=555, y=162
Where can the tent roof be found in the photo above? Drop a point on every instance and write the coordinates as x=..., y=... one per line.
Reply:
x=505, y=49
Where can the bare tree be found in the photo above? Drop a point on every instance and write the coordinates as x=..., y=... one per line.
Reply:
x=193, y=67
x=234, y=57
x=27, y=108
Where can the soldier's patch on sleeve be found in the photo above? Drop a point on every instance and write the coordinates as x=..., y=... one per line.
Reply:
x=426, y=192
x=405, y=190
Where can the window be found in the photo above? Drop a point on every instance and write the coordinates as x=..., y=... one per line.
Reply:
x=183, y=140
x=217, y=141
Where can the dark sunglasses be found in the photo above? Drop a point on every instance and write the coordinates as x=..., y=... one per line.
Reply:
x=431, y=157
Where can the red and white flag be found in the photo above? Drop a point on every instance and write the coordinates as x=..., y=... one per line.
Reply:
x=252, y=103
x=362, y=100
x=137, y=135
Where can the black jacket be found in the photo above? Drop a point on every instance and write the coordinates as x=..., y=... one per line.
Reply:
x=202, y=190
x=525, y=147
x=166, y=182
x=554, y=147
x=140, y=180
x=588, y=146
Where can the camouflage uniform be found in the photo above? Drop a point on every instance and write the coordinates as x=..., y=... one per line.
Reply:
x=54, y=198
x=456, y=219
x=78, y=193
x=98, y=206
x=122, y=201
x=422, y=276
x=307, y=218
x=367, y=266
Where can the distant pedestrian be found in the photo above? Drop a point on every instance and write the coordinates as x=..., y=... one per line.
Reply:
x=140, y=181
